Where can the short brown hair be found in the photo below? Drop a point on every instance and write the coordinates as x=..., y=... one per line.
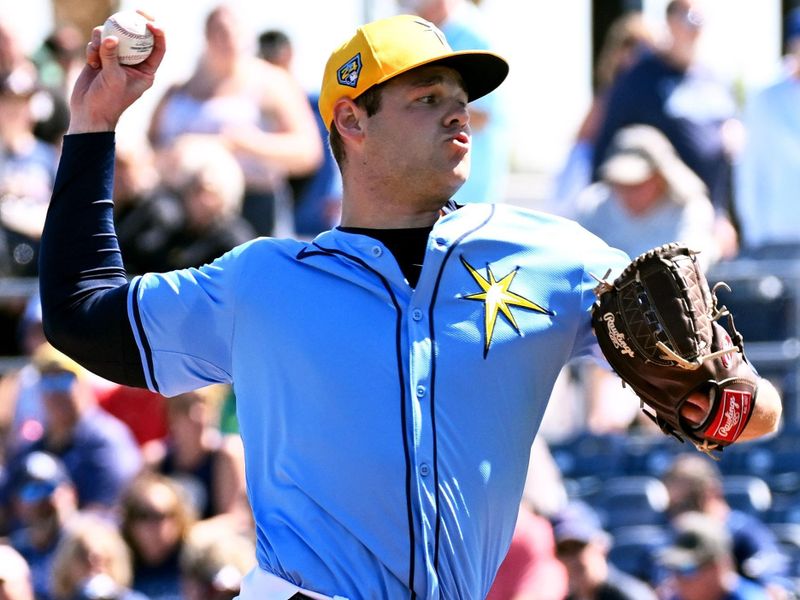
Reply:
x=370, y=101
x=137, y=496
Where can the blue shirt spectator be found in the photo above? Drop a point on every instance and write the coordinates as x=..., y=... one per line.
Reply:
x=41, y=498
x=98, y=450
x=768, y=170
x=694, y=484
x=700, y=563
x=689, y=105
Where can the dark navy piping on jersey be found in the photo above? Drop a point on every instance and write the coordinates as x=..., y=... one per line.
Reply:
x=432, y=334
x=145, y=344
x=398, y=351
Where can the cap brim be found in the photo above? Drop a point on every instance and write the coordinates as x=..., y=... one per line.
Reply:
x=36, y=491
x=679, y=559
x=626, y=169
x=57, y=382
x=482, y=71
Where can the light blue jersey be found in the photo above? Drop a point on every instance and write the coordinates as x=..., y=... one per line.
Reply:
x=387, y=429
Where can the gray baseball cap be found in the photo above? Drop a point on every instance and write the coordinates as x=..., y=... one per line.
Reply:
x=637, y=152
x=699, y=540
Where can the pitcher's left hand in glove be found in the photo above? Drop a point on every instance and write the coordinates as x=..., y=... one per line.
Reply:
x=657, y=327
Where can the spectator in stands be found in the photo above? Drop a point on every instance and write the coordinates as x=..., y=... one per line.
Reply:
x=695, y=484
x=42, y=499
x=98, y=450
x=146, y=213
x=701, y=566
x=15, y=575
x=275, y=47
x=544, y=491
x=214, y=561
x=583, y=546
x=196, y=455
x=48, y=106
x=672, y=92
x=464, y=26
x=12, y=53
x=58, y=63
x=22, y=413
x=256, y=109
x=50, y=111
x=318, y=195
x=27, y=172
x=60, y=58
x=530, y=570
x=140, y=409
x=628, y=37
x=20, y=394
x=155, y=520
x=648, y=197
x=768, y=170
x=211, y=187
x=92, y=562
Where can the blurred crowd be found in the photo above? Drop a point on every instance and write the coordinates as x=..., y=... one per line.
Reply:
x=111, y=492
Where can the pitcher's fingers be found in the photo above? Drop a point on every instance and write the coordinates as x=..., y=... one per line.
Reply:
x=109, y=52
x=692, y=413
x=696, y=407
x=159, y=47
x=93, y=48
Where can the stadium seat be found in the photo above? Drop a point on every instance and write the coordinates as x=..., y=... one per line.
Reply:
x=631, y=500
x=634, y=550
x=788, y=536
x=588, y=455
x=650, y=454
x=747, y=493
x=775, y=297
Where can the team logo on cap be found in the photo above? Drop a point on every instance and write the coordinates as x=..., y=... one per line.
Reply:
x=428, y=26
x=498, y=298
x=348, y=73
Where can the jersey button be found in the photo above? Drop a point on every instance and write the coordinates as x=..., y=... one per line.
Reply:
x=416, y=314
x=376, y=251
x=420, y=391
x=424, y=469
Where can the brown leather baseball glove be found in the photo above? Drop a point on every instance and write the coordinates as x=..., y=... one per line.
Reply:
x=657, y=325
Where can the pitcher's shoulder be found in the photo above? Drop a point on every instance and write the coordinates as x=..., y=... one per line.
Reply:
x=530, y=221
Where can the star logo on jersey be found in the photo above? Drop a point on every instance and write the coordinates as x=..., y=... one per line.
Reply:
x=348, y=73
x=498, y=298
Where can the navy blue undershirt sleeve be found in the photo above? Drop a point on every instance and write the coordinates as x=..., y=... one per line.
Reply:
x=82, y=280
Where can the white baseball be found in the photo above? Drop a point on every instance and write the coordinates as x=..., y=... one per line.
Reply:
x=135, y=39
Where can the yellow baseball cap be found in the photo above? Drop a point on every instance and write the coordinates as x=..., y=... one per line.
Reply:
x=389, y=47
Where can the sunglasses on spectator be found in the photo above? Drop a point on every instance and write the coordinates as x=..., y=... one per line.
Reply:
x=150, y=515
x=570, y=547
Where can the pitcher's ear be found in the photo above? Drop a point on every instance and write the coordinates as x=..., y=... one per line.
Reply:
x=348, y=118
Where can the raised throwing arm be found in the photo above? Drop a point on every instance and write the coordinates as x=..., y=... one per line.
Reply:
x=83, y=284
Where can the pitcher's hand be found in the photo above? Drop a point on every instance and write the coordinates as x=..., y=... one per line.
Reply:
x=695, y=409
x=105, y=88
